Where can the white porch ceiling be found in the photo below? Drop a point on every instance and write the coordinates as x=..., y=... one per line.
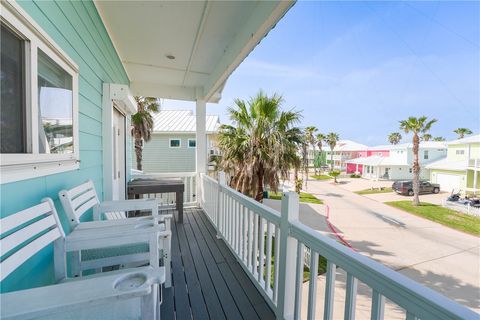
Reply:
x=208, y=39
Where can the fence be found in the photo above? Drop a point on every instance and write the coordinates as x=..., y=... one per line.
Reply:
x=270, y=247
x=464, y=208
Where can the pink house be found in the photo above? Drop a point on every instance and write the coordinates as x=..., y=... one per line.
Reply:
x=381, y=151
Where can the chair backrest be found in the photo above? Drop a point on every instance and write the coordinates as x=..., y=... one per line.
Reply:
x=25, y=233
x=77, y=201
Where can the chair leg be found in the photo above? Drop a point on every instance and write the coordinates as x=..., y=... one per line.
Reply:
x=149, y=305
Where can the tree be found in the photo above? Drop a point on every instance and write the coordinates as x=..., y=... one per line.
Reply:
x=331, y=140
x=320, y=138
x=439, y=139
x=426, y=137
x=461, y=132
x=417, y=126
x=334, y=174
x=394, y=137
x=310, y=139
x=260, y=147
x=142, y=124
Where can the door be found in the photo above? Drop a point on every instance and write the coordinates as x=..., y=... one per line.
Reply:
x=449, y=182
x=118, y=161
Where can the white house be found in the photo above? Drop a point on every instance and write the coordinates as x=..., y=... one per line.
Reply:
x=398, y=164
x=173, y=142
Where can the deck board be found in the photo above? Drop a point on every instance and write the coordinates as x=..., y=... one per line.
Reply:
x=208, y=282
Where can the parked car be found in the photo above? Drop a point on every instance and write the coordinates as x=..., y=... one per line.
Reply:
x=406, y=187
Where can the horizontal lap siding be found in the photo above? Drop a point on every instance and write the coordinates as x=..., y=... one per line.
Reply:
x=77, y=28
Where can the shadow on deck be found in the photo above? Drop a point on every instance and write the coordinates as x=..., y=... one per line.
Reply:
x=208, y=282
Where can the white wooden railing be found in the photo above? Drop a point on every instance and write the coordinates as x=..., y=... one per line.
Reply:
x=168, y=199
x=270, y=246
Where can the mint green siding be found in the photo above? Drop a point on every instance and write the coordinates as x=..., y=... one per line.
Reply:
x=77, y=28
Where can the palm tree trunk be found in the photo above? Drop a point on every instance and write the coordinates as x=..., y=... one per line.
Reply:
x=138, y=152
x=259, y=195
x=331, y=159
x=416, y=170
x=313, y=162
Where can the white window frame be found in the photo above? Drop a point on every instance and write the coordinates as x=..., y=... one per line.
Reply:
x=188, y=143
x=22, y=166
x=170, y=143
x=425, y=154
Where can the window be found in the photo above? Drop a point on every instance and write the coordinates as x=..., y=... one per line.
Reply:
x=410, y=170
x=459, y=152
x=192, y=143
x=425, y=154
x=175, y=143
x=39, y=99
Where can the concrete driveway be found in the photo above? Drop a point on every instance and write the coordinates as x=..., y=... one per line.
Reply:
x=441, y=258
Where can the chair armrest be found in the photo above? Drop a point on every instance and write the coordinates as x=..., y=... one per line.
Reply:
x=86, y=292
x=126, y=205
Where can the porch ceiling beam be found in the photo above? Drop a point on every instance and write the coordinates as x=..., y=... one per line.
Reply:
x=163, y=91
x=264, y=18
x=198, y=36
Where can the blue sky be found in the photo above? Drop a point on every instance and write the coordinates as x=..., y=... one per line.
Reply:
x=357, y=68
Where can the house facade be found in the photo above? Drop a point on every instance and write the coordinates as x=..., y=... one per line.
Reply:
x=398, y=164
x=380, y=151
x=460, y=170
x=344, y=151
x=173, y=142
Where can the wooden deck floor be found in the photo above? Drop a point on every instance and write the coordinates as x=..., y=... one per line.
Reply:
x=208, y=282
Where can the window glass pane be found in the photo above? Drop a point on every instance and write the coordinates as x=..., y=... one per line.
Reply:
x=175, y=143
x=12, y=105
x=55, y=101
x=192, y=143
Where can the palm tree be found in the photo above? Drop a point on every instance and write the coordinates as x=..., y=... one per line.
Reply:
x=260, y=147
x=462, y=132
x=142, y=124
x=394, y=137
x=310, y=139
x=417, y=126
x=439, y=139
x=320, y=138
x=331, y=139
x=426, y=137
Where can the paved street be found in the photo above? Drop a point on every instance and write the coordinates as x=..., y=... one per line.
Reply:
x=441, y=258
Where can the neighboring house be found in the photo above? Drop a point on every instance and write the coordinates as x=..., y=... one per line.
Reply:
x=344, y=151
x=398, y=164
x=380, y=151
x=460, y=170
x=173, y=142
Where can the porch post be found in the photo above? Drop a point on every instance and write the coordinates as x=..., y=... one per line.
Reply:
x=201, y=144
x=288, y=258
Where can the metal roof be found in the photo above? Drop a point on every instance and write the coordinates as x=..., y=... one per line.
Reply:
x=471, y=139
x=182, y=121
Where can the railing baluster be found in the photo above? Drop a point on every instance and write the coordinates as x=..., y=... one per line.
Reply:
x=234, y=225
x=350, y=297
x=250, y=237
x=378, y=306
x=244, y=234
x=329, y=290
x=312, y=286
x=276, y=266
x=255, y=244
x=299, y=281
x=261, y=249
x=268, y=265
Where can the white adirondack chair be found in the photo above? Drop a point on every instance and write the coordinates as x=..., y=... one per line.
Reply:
x=79, y=200
x=123, y=294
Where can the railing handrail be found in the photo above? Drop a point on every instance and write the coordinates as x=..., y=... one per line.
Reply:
x=408, y=294
x=166, y=174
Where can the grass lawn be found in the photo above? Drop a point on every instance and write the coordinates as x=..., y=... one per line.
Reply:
x=304, y=197
x=322, y=177
x=450, y=218
x=370, y=191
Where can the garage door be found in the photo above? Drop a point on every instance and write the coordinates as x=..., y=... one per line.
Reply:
x=449, y=182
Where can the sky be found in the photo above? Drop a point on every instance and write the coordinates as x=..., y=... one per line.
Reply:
x=358, y=68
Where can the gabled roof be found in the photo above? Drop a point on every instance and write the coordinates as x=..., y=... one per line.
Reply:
x=470, y=139
x=182, y=121
x=423, y=145
x=348, y=145
x=444, y=164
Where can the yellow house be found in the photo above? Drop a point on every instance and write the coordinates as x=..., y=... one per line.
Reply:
x=460, y=170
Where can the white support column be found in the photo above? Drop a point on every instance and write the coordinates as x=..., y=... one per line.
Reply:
x=201, y=141
x=288, y=257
